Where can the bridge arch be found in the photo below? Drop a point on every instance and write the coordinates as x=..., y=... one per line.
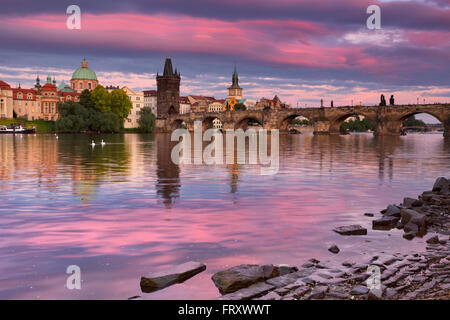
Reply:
x=243, y=122
x=405, y=117
x=212, y=121
x=287, y=120
x=369, y=121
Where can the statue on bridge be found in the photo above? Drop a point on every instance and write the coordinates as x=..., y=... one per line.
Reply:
x=392, y=100
x=382, y=101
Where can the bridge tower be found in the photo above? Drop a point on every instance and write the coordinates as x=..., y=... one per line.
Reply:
x=168, y=91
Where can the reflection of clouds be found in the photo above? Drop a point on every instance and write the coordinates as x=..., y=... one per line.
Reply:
x=127, y=232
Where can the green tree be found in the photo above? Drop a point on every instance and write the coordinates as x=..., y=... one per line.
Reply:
x=111, y=122
x=240, y=106
x=413, y=122
x=120, y=103
x=357, y=125
x=86, y=99
x=101, y=99
x=146, y=121
x=75, y=117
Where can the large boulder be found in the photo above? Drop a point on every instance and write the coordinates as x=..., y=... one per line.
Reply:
x=245, y=275
x=385, y=223
x=254, y=291
x=441, y=184
x=392, y=211
x=353, y=230
x=414, y=217
x=166, y=278
x=411, y=202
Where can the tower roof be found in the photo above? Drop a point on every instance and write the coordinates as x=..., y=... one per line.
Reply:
x=84, y=73
x=235, y=80
x=168, y=69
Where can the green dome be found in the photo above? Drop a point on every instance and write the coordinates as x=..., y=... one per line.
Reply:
x=84, y=73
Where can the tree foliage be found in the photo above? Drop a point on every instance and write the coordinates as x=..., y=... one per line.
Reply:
x=75, y=117
x=120, y=103
x=117, y=101
x=357, y=125
x=146, y=121
x=240, y=106
x=413, y=122
x=86, y=99
x=101, y=99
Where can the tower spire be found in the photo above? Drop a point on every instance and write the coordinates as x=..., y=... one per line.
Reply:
x=168, y=69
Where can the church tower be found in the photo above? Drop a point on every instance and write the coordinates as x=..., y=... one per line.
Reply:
x=235, y=91
x=168, y=91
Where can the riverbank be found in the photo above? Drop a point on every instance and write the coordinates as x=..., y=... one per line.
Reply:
x=41, y=126
x=387, y=275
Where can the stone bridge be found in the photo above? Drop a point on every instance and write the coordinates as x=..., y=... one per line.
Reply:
x=387, y=119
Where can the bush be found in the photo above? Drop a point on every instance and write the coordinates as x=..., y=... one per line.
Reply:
x=146, y=121
x=76, y=118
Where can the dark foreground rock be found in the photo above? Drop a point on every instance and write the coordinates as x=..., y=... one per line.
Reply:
x=353, y=230
x=423, y=275
x=245, y=275
x=334, y=249
x=169, y=277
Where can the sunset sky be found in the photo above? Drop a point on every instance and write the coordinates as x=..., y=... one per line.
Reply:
x=301, y=50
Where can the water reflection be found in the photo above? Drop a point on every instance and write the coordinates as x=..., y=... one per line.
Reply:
x=168, y=183
x=125, y=209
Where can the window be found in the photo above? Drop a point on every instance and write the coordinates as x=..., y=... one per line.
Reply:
x=80, y=86
x=90, y=85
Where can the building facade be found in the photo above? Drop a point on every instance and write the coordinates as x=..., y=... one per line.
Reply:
x=6, y=100
x=150, y=100
x=216, y=106
x=27, y=103
x=168, y=91
x=83, y=78
x=137, y=100
x=185, y=105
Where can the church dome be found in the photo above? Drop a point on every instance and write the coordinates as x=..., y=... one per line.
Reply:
x=84, y=73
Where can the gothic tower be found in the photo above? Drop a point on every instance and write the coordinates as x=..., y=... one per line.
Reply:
x=168, y=93
x=235, y=91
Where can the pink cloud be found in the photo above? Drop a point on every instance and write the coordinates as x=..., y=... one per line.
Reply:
x=285, y=42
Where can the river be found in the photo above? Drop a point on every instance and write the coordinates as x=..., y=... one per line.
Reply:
x=125, y=210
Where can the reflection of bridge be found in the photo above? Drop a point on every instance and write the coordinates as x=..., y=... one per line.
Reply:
x=426, y=128
x=387, y=120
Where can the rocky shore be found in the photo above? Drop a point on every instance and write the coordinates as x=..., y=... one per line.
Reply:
x=424, y=275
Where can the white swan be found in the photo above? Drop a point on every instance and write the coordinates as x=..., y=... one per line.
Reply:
x=103, y=142
x=93, y=143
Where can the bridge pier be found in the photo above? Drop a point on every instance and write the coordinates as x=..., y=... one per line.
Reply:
x=322, y=127
x=388, y=128
x=447, y=128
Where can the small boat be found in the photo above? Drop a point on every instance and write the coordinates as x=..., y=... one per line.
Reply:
x=14, y=129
